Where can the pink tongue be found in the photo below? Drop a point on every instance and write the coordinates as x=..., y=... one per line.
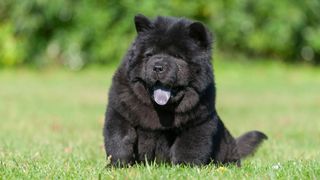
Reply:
x=161, y=96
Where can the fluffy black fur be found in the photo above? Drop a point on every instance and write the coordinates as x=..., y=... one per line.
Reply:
x=175, y=55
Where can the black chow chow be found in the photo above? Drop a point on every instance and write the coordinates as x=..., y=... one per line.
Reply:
x=162, y=100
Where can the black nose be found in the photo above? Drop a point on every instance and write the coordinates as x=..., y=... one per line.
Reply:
x=158, y=68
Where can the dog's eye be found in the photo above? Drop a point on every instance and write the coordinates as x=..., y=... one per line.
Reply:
x=148, y=54
x=177, y=56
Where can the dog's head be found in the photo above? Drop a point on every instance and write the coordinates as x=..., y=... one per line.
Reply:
x=170, y=57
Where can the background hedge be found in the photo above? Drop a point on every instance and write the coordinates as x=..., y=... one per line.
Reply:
x=76, y=33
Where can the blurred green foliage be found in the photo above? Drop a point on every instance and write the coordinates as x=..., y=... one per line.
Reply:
x=76, y=33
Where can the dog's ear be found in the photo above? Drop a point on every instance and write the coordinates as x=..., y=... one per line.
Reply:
x=142, y=23
x=249, y=142
x=198, y=32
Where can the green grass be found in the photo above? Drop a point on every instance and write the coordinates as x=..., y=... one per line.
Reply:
x=51, y=123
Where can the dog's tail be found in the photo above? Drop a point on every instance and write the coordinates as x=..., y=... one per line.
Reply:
x=248, y=143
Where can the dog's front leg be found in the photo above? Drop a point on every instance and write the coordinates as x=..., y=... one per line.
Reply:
x=119, y=139
x=194, y=145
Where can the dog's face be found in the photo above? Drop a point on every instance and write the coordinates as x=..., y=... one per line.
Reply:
x=169, y=56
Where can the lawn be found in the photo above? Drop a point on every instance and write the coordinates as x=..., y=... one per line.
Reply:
x=51, y=123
